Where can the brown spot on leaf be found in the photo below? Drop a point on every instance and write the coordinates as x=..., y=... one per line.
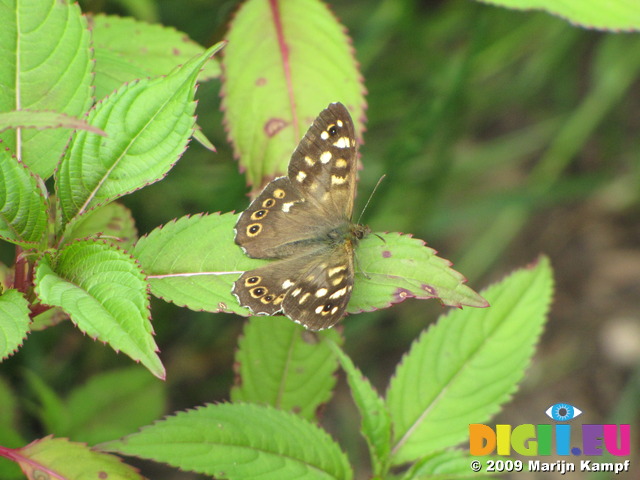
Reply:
x=273, y=126
x=386, y=254
x=401, y=293
x=430, y=290
x=103, y=475
x=260, y=82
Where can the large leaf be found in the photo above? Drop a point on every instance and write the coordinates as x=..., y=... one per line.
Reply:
x=285, y=62
x=462, y=369
x=127, y=49
x=281, y=364
x=193, y=262
x=400, y=267
x=14, y=321
x=240, y=441
x=62, y=459
x=23, y=208
x=104, y=292
x=148, y=124
x=46, y=65
x=200, y=276
x=602, y=14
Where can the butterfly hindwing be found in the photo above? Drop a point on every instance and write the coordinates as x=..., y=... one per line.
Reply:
x=312, y=289
x=319, y=297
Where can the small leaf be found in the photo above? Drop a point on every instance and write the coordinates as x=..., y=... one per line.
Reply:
x=148, y=124
x=54, y=455
x=285, y=62
x=113, y=404
x=104, y=292
x=401, y=267
x=42, y=120
x=376, y=422
x=193, y=262
x=462, y=369
x=14, y=322
x=600, y=14
x=127, y=49
x=46, y=67
x=240, y=441
x=279, y=363
x=23, y=208
x=112, y=222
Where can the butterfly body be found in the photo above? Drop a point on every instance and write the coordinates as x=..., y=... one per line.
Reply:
x=303, y=222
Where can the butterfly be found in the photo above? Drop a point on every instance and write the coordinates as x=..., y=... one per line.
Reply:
x=303, y=222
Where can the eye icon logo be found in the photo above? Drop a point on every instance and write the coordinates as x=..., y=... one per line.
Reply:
x=563, y=412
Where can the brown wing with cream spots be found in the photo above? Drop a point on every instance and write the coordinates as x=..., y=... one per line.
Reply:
x=324, y=165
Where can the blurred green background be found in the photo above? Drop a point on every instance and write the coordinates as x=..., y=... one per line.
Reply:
x=503, y=135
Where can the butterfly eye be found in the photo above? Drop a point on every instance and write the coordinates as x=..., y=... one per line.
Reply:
x=267, y=298
x=251, y=281
x=332, y=130
x=279, y=193
x=258, y=214
x=268, y=203
x=327, y=307
x=254, y=229
x=258, y=292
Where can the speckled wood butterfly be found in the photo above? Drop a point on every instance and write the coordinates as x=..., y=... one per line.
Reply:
x=303, y=222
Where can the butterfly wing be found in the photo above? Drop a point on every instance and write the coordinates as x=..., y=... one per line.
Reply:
x=295, y=212
x=325, y=163
x=312, y=289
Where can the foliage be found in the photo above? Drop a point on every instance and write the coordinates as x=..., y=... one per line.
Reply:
x=77, y=255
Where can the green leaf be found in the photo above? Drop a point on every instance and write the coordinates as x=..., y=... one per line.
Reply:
x=9, y=436
x=14, y=322
x=127, y=49
x=240, y=441
x=46, y=65
x=113, y=404
x=281, y=364
x=601, y=14
x=51, y=409
x=376, y=421
x=41, y=120
x=23, y=208
x=112, y=222
x=55, y=454
x=285, y=62
x=193, y=261
x=148, y=124
x=104, y=292
x=201, y=275
x=401, y=267
x=462, y=369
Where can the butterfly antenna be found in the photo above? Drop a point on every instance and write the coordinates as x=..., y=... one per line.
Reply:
x=370, y=197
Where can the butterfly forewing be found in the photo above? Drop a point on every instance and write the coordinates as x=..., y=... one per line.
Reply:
x=304, y=221
x=324, y=165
